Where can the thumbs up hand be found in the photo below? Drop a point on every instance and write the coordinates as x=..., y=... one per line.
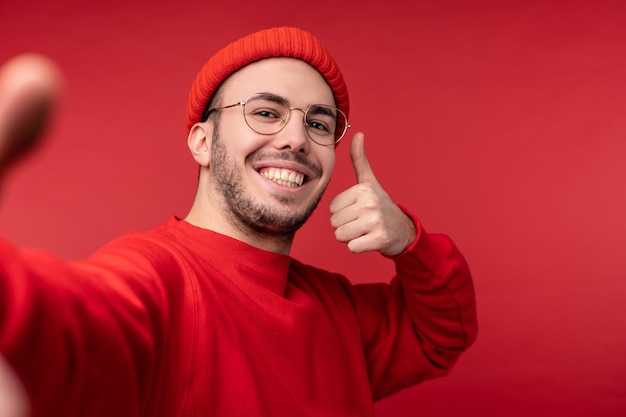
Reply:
x=364, y=216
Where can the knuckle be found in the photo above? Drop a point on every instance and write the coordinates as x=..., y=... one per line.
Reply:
x=375, y=222
x=365, y=188
x=370, y=203
x=362, y=187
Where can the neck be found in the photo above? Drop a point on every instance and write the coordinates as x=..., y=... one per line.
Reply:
x=207, y=215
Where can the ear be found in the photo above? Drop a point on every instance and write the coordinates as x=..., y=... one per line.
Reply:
x=199, y=144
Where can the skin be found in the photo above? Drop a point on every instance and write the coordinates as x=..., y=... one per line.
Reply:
x=231, y=156
x=13, y=400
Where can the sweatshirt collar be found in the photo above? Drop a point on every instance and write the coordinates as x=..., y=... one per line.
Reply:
x=238, y=259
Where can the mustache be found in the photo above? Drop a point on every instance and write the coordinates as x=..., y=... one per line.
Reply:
x=286, y=156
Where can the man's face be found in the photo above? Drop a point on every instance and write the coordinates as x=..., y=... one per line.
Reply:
x=270, y=183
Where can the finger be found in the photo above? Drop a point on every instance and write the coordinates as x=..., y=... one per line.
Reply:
x=344, y=216
x=29, y=88
x=361, y=244
x=350, y=231
x=362, y=169
x=357, y=245
x=342, y=200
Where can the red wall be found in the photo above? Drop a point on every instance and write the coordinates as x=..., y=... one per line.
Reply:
x=502, y=124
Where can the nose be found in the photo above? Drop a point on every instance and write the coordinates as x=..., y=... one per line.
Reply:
x=293, y=135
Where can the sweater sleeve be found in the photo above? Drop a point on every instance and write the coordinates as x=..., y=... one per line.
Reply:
x=83, y=338
x=415, y=328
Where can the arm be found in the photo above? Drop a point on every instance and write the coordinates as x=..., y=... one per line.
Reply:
x=415, y=328
x=29, y=87
x=82, y=339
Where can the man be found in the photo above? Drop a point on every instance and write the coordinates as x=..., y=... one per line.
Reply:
x=208, y=315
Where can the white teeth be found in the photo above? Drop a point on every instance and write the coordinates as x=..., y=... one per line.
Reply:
x=284, y=177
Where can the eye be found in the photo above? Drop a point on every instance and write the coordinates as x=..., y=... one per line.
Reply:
x=265, y=114
x=319, y=126
x=321, y=120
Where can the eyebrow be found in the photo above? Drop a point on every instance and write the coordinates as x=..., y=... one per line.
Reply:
x=324, y=110
x=274, y=98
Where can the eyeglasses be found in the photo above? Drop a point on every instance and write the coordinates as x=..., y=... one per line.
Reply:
x=268, y=114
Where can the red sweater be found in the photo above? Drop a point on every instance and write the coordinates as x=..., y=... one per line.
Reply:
x=183, y=321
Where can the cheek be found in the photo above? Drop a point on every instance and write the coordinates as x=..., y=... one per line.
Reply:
x=327, y=160
x=240, y=140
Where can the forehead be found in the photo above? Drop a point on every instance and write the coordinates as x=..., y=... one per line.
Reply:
x=291, y=78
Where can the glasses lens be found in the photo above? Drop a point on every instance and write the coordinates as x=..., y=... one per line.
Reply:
x=265, y=113
x=325, y=124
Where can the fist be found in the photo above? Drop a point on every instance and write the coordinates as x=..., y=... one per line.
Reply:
x=29, y=88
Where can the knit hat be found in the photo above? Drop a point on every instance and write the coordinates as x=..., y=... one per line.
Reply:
x=268, y=43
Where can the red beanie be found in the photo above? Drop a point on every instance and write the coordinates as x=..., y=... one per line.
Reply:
x=274, y=42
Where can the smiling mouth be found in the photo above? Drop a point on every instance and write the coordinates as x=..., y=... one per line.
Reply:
x=284, y=177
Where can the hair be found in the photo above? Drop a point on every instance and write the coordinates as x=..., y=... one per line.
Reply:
x=214, y=101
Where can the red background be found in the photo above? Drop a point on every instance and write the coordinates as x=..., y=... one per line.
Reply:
x=499, y=123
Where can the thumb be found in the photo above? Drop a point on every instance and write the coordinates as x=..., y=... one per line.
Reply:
x=362, y=169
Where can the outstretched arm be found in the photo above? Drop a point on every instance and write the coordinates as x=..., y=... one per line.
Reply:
x=29, y=88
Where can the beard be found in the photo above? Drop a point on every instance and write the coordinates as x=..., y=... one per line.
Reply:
x=245, y=212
